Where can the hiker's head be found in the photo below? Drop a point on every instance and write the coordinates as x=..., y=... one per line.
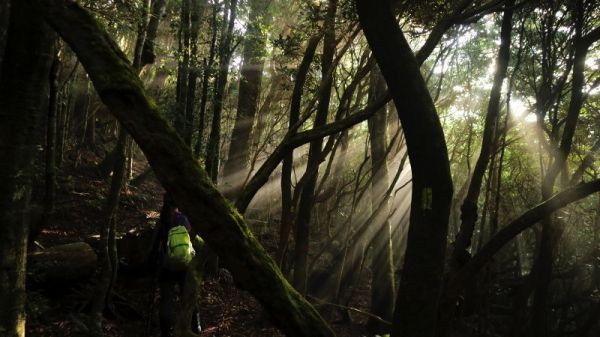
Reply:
x=180, y=219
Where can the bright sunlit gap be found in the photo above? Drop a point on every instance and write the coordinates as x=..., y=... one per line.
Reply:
x=517, y=108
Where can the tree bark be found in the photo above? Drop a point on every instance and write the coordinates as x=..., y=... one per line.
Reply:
x=420, y=286
x=212, y=216
x=23, y=100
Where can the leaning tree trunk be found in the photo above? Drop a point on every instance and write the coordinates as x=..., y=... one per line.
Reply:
x=420, y=286
x=221, y=226
x=382, y=284
x=23, y=99
x=236, y=166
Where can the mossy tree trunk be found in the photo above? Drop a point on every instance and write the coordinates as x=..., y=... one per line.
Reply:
x=23, y=100
x=221, y=226
x=421, y=281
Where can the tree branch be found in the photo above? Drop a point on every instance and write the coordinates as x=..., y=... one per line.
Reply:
x=526, y=220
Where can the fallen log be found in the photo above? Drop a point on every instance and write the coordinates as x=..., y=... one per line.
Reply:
x=61, y=265
x=135, y=251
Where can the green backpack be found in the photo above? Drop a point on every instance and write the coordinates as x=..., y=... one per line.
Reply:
x=179, y=249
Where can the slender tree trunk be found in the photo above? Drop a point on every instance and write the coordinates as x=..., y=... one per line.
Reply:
x=50, y=150
x=157, y=12
x=80, y=109
x=122, y=154
x=382, y=284
x=89, y=136
x=469, y=206
x=141, y=34
x=225, y=52
x=214, y=140
x=206, y=75
x=195, y=15
x=288, y=160
x=236, y=167
x=62, y=131
x=23, y=99
x=314, y=156
x=107, y=258
x=551, y=230
x=183, y=66
x=420, y=286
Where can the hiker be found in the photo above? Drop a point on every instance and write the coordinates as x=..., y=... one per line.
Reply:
x=175, y=252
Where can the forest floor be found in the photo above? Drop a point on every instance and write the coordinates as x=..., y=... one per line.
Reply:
x=224, y=309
